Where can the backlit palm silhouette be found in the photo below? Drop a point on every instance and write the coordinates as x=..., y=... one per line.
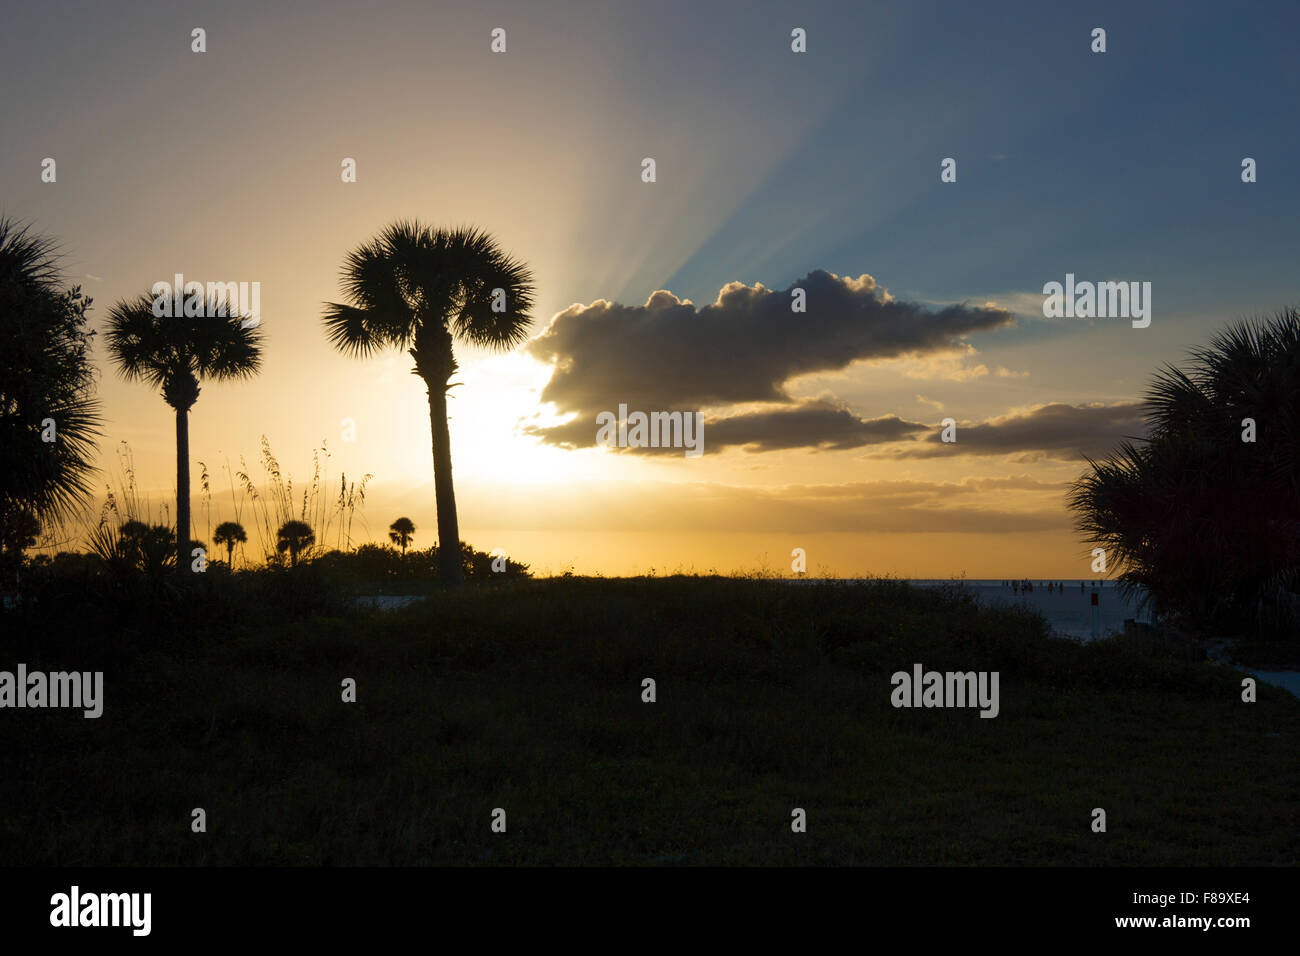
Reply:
x=421, y=289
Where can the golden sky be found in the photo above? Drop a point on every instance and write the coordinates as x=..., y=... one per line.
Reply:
x=772, y=168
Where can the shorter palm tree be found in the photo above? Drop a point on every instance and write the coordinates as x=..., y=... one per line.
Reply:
x=294, y=537
x=173, y=354
x=230, y=533
x=401, y=532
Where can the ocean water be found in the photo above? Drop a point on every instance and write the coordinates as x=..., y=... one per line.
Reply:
x=1069, y=611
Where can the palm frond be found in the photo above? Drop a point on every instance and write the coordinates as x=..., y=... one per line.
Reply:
x=411, y=281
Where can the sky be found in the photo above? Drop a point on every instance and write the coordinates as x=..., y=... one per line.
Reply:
x=774, y=171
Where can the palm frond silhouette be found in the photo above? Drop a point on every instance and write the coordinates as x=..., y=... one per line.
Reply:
x=295, y=537
x=46, y=388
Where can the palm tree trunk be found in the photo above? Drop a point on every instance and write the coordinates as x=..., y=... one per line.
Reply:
x=182, y=490
x=448, y=527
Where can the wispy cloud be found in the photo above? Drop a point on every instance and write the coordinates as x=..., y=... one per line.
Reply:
x=1055, y=431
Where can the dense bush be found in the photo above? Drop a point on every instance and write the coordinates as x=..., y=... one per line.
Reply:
x=381, y=564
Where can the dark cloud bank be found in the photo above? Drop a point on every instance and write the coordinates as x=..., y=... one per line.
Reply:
x=1057, y=431
x=671, y=355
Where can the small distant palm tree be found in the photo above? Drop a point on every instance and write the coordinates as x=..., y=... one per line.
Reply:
x=174, y=353
x=294, y=537
x=401, y=532
x=230, y=533
x=420, y=289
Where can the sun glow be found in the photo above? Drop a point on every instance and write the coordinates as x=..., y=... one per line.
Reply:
x=497, y=396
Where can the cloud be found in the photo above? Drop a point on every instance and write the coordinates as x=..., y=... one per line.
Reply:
x=816, y=424
x=950, y=365
x=1057, y=431
x=1027, y=305
x=744, y=347
x=819, y=424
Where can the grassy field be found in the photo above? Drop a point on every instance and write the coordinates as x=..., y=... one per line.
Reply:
x=527, y=696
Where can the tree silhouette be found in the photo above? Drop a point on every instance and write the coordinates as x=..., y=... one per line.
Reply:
x=229, y=533
x=49, y=419
x=1205, y=519
x=18, y=533
x=400, y=532
x=135, y=547
x=294, y=537
x=174, y=353
x=421, y=289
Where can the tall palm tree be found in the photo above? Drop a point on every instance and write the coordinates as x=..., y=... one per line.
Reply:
x=400, y=532
x=174, y=353
x=421, y=289
x=230, y=533
x=294, y=537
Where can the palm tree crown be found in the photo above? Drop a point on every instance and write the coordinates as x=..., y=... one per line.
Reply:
x=419, y=288
x=294, y=537
x=174, y=353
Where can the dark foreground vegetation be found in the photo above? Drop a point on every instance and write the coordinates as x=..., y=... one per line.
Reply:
x=526, y=695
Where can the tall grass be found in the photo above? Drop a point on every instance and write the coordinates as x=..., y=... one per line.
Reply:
x=265, y=505
x=274, y=504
